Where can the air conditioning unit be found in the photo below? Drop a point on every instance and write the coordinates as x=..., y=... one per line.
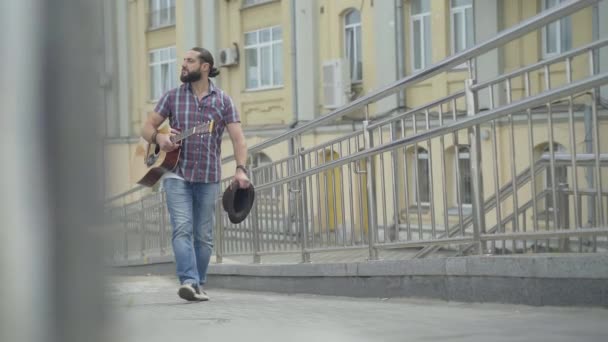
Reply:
x=336, y=83
x=229, y=56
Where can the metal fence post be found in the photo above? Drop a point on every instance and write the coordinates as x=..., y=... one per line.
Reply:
x=301, y=202
x=219, y=233
x=476, y=173
x=142, y=227
x=563, y=212
x=163, y=223
x=257, y=259
x=125, y=221
x=371, y=191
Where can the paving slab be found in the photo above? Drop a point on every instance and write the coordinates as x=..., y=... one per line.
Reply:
x=147, y=309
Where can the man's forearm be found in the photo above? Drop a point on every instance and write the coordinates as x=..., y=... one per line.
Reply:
x=147, y=131
x=240, y=152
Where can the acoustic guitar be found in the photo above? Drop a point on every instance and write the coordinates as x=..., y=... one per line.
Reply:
x=150, y=163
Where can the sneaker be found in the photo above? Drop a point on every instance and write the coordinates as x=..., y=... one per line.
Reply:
x=188, y=292
x=201, y=295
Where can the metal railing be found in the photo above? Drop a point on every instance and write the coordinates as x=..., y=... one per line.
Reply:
x=414, y=180
x=322, y=233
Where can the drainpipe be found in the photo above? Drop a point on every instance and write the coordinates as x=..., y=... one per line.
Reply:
x=399, y=47
x=595, y=20
x=595, y=24
x=294, y=74
x=400, y=66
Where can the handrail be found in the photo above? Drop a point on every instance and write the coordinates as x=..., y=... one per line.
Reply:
x=539, y=99
x=524, y=27
x=418, y=109
x=581, y=158
x=591, y=46
x=123, y=194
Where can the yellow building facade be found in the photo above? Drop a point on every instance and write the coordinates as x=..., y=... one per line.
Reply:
x=286, y=62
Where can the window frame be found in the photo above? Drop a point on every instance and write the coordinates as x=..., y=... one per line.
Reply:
x=420, y=17
x=461, y=155
x=422, y=154
x=155, y=10
x=559, y=39
x=357, y=40
x=462, y=10
x=258, y=48
x=172, y=81
x=559, y=171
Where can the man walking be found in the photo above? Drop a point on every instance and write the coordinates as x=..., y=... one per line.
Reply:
x=191, y=190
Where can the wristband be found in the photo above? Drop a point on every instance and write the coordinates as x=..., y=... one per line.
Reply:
x=242, y=167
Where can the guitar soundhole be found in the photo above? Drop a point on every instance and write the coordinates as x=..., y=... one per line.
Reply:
x=153, y=157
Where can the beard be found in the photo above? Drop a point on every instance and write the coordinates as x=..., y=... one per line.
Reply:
x=191, y=76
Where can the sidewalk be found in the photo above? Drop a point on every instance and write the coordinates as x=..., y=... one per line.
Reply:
x=148, y=309
x=539, y=279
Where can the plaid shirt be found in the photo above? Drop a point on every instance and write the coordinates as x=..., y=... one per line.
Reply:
x=200, y=159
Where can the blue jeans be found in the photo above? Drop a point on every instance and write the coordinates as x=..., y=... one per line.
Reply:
x=192, y=211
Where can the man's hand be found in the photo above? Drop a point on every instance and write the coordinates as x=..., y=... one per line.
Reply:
x=240, y=153
x=165, y=142
x=240, y=178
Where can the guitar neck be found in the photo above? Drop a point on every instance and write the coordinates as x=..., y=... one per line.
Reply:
x=204, y=128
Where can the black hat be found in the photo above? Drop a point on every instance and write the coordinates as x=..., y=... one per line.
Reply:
x=237, y=202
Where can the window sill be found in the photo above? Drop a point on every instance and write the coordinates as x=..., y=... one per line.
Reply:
x=454, y=211
x=158, y=28
x=460, y=68
x=256, y=90
x=424, y=208
x=246, y=7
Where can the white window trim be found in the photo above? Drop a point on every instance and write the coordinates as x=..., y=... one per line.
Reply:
x=557, y=148
x=465, y=155
x=352, y=27
x=419, y=17
x=160, y=63
x=421, y=156
x=558, y=46
x=462, y=9
x=156, y=11
x=253, y=90
x=258, y=47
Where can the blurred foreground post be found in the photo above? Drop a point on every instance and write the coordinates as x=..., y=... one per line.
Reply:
x=51, y=281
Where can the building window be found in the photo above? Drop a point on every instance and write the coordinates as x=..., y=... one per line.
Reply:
x=464, y=170
x=561, y=175
x=463, y=33
x=557, y=36
x=423, y=177
x=421, y=34
x=163, y=75
x=162, y=13
x=352, y=46
x=264, y=58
